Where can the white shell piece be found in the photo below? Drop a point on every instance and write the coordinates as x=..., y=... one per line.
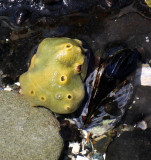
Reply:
x=75, y=147
x=81, y=158
x=7, y=88
x=84, y=151
x=104, y=155
x=17, y=83
x=142, y=125
x=143, y=75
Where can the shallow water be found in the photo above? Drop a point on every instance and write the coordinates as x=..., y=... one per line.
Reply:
x=97, y=28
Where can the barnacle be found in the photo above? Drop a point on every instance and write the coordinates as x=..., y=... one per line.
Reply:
x=55, y=76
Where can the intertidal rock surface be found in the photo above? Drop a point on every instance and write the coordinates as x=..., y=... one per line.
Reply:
x=134, y=145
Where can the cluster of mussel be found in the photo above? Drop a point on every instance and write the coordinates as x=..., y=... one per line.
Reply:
x=109, y=92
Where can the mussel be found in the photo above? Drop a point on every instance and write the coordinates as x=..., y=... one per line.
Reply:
x=108, y=91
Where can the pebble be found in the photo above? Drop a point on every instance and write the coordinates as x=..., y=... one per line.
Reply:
x=133, y=145
x=141, y=108
x=27, y=133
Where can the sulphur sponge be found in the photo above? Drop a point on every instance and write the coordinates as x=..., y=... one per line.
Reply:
x=55, y=76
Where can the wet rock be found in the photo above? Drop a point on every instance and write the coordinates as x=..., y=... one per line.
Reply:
x=101, y=143
x=140, y=108
x=148, y=121
x=133, y=145
x=27, y=132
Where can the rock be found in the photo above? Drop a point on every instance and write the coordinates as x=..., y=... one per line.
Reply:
x=140, y=108
x=148, y=121
x=133, y=145
x=27, y=132
x=101, y=143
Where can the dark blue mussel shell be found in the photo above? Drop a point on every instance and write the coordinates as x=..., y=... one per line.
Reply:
x=122, y=63
x=108, y=91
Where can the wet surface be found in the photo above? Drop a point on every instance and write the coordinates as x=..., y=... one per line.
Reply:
x=96, y=27
x=141, y=107
x=131, y=145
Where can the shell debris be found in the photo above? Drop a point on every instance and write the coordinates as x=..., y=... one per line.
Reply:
x=143, y=75
x=8, y=88
x=75, y=147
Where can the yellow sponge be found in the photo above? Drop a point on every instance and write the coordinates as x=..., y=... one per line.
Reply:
x=55, y=76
